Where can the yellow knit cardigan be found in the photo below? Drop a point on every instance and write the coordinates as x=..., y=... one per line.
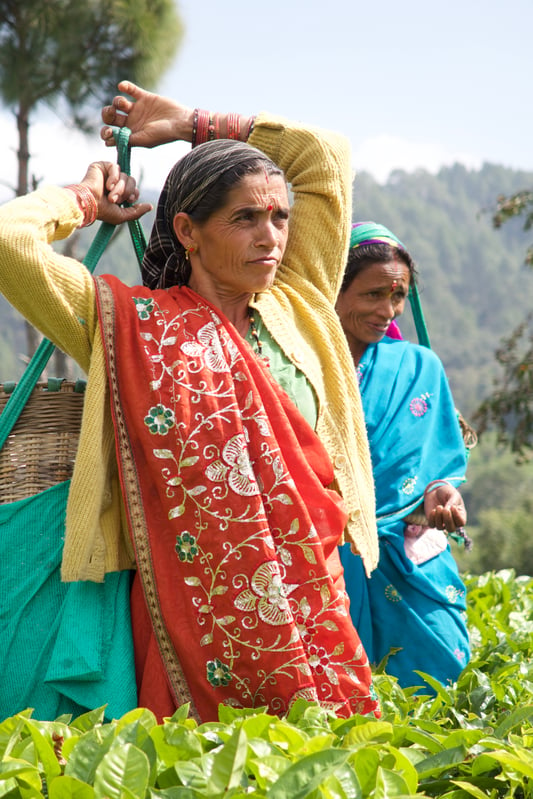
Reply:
x=57, y=295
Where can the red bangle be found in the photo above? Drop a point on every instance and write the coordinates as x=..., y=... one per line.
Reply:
x=206, y=126
x=86, y=202
x=202, y=129
x=234, y=126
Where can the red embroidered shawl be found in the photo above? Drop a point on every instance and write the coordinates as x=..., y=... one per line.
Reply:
x=224, y=485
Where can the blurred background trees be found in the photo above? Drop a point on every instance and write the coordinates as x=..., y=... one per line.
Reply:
x=499, y=498
x=509, y=408
x=69, y=55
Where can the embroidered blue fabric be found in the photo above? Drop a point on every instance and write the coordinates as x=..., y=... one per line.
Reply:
x=414, y=438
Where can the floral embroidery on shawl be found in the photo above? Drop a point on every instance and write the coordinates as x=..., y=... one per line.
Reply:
x=408, y=485
x=419, y=405
x=231, y=521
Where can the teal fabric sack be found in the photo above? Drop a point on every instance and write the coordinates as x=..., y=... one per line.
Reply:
x=65, y=647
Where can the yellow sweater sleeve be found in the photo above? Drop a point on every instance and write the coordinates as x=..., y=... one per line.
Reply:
x=54, y=293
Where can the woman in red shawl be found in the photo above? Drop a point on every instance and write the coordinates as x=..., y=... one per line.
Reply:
x=228, y=490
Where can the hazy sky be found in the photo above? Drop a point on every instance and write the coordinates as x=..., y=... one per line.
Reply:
x=413, y=83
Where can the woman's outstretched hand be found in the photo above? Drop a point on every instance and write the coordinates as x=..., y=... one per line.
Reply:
x=110, y=188
x=152, y=118
x=444, y=508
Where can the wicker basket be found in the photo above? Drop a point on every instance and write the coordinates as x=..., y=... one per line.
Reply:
x=40, y=451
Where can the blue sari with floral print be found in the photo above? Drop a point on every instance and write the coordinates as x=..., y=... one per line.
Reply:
x=413, y=612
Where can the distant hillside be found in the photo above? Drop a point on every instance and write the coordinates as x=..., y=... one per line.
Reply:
x=474, y=286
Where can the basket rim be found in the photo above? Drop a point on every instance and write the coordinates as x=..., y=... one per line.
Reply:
x=54, y=385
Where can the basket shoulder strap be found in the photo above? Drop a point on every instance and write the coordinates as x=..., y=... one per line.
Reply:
x=138, y=238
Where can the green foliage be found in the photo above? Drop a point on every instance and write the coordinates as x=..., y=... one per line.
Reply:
x=79, y=50
x=470, y=739
x=71, y=54
x=498, y=498
x=509, y=408
x=518, y=204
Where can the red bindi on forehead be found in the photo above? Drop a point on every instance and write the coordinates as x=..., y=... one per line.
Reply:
x=393, y=287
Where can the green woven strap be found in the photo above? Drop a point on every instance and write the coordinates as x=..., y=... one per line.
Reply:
x=44, y=351
x=418, y=316
x=138, y=238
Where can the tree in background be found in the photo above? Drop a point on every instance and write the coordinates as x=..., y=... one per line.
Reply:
x=521, y=202
x=71, y=54
x=509, y=408
x=498, y=498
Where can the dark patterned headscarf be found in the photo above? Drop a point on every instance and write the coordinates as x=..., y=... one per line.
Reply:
x=188, y=183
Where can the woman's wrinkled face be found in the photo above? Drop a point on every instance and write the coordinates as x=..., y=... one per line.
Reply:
x=239, y=248
x=372, y=300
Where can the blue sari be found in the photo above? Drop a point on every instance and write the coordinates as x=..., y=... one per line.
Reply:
x=414, y=438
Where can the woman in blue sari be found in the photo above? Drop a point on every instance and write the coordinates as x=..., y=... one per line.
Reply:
x=411, y=610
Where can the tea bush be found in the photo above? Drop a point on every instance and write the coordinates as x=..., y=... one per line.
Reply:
x=472, y=739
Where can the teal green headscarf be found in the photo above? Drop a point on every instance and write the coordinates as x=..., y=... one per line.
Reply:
x=372, y=233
